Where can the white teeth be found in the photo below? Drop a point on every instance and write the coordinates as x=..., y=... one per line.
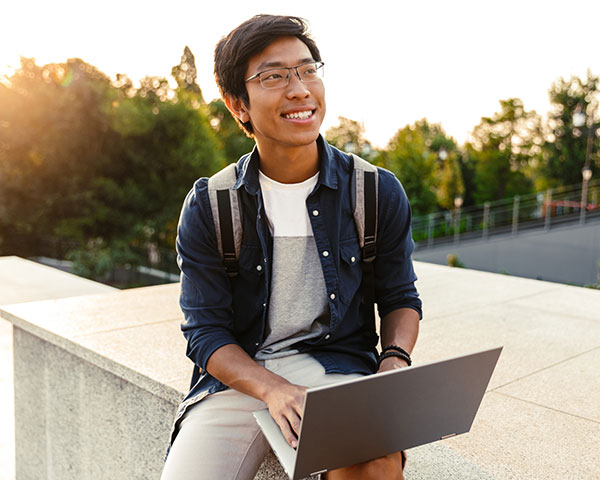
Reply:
x=299, y=115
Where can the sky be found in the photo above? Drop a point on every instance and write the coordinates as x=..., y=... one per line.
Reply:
x=388, y=63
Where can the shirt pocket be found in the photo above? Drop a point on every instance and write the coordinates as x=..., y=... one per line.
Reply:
x=350, y=270
x=248, y=289
x=251, y=262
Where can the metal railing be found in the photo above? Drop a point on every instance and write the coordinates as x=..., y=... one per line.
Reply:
x=510, y=215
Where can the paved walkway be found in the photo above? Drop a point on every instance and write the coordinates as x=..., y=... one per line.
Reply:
x=540, y=418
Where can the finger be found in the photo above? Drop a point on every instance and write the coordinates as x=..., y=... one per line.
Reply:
x=287, y=432
x=298, y=406
x=295, y=422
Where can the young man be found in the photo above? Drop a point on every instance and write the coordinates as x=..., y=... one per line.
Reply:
x=293, y=317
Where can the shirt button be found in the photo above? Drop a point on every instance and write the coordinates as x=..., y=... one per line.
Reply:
x=259, y=267
x=325, y=253
x=332, y=296
x=264, y=305
x=315, y=213
x=257, y=344
x=353, y=259
x=327, y=337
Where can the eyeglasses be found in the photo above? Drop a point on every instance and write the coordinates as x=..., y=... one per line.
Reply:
x=280, y=77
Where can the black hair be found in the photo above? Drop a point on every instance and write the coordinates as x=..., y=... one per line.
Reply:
x=233, y=52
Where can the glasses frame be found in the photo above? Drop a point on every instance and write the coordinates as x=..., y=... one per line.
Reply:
x=318, y=64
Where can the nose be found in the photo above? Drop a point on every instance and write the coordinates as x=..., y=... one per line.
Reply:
x=296, y=87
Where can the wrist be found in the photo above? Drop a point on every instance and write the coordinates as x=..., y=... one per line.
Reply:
x=394, y=351
x=272, y=386
x=390, y=363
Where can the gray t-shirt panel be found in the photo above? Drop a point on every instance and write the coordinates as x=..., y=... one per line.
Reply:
x=298, y=306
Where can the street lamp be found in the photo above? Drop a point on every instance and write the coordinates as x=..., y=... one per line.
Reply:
x=443, y=154
x=578, y=117
x=458, y=201
x=579, y=120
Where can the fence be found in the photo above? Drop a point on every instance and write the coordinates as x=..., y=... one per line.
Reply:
x=536, y=210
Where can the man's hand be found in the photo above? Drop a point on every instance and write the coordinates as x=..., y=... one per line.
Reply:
x=391, y=363
x=286, y=404
x=234, y=367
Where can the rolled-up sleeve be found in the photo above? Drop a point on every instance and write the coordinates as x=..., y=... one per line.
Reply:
x=206, y=298
x=394, y=274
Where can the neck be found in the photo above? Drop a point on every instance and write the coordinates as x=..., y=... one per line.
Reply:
x=291, y=164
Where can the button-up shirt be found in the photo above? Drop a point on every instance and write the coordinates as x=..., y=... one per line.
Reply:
x=221, y=310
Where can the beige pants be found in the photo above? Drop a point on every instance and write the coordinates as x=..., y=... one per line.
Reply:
x=219, y=438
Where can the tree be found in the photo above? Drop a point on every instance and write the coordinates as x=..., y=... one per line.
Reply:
x=564, y=148
x=504, y=148
x=232, y=140
x=185, y=73
x=102, y=165
x=166, y=143
x=413, y=154
x=55, y=137
x=349, y=136
x=451, y=183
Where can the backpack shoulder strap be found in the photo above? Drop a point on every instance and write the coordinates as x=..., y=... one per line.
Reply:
x=227, y=216
x=365, y=182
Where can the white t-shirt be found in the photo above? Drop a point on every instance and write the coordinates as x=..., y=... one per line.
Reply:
x=298, y=306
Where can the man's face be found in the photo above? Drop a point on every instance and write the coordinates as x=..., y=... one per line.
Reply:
x=273, y=113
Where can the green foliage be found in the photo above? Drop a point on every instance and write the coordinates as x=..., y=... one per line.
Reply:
x=454, y=261
x=451, y=184
x=185, y=73
x=103, y=164
x=349, y=136
x=101, y=167
x=97, y=258
x=413, y=155
x=565, y=147
x=232, y=140
x=503, y=149
x=56, y=136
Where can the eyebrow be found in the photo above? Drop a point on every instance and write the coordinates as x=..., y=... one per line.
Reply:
x=278, y=63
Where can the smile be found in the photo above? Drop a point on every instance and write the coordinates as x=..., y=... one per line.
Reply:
x=299, y=115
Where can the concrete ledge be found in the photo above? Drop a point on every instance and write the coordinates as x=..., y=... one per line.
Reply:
x=80, y=421
x=25, y=281
x=106, y=330
x=98, y=378
x=85, y=383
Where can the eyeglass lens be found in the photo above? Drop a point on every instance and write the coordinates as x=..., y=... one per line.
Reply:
x=279, y=77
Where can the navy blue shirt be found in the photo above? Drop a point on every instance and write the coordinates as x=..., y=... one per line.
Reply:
x=220, y=310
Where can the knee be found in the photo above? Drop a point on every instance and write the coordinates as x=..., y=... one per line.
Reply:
x=389, y=467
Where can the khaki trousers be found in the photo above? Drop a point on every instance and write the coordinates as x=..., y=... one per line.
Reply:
x=219, y=437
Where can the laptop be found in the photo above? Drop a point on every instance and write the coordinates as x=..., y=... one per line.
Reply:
x=369, y=417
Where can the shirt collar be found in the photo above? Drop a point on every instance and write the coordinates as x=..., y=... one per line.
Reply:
x=248, y=168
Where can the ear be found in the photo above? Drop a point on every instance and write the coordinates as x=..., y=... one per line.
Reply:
x=237, y=108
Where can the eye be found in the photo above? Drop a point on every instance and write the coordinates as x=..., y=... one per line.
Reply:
x=309, y=70
x=272, y=76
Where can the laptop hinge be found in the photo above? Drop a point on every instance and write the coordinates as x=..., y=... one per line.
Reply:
x=448, y=436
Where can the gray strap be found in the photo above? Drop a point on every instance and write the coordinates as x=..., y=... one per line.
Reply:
x=361, y=166
x=225, y=180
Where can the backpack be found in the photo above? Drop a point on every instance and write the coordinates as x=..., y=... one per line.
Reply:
x=227, y=217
